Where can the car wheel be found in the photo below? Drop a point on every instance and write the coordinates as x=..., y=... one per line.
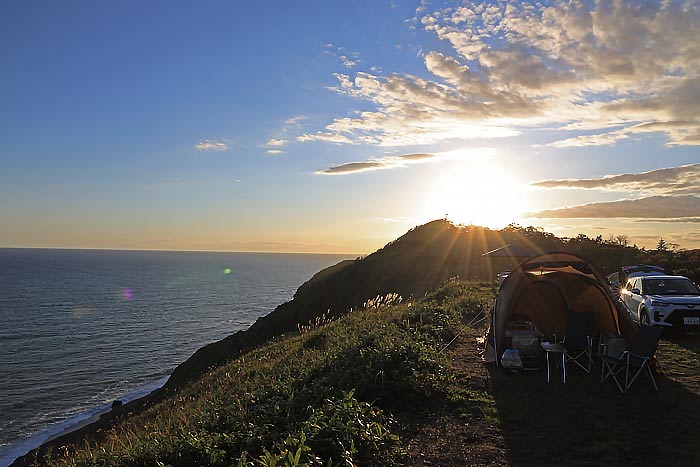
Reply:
x=643, y=318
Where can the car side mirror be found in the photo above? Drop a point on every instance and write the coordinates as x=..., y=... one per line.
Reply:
x=635, y=291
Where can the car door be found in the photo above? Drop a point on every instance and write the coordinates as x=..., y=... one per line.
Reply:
x=625, y=294
x=637, y=298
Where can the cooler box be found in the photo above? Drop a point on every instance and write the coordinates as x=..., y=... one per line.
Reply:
x=527, y=345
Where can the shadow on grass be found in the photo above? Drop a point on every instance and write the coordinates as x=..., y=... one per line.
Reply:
x=585, y=423
x=690, y=341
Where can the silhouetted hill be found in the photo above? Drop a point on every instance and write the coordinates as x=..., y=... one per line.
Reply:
x=410, y=266
x=414, y=264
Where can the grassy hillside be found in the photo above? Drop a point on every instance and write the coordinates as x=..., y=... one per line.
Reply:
x=381, y=386
x=412, y=265
x=330, y=395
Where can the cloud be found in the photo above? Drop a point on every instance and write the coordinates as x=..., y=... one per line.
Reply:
x=347, y=63
x=276, y=143
x=352, y=167
x=294, y=121
x=682, y=180
x=207, y=145
x=347, y=58
x=517, y=65
x=591, y=140
x=680, y=133
x=673, y=220
x=327, y=137
x=653, y=207
x=392, y=162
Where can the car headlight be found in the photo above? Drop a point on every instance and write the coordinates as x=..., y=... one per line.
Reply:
x=658, y=303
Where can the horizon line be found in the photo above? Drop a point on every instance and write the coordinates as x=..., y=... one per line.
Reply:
x=177, y=251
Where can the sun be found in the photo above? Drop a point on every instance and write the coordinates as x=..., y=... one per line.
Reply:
x=479, y=193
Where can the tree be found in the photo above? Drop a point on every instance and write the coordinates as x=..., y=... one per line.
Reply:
x=662, y=245
x=622, y=240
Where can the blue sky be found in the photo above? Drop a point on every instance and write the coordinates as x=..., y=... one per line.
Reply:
x=335, y=126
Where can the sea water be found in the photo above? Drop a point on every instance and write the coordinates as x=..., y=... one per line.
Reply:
x=81, y=328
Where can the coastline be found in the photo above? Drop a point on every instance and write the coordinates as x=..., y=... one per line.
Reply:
x=67, y=430
x=284, y=318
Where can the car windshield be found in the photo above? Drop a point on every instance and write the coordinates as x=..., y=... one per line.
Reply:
x=670, y=287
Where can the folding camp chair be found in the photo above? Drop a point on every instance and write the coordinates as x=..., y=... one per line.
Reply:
x=578, y=342
x=634, y=361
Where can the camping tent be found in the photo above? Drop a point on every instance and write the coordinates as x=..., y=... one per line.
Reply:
x=507, y=257
x=544, y=290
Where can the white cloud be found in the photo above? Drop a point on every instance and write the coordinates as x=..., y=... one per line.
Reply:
x=657, y=207
x=513, y=65
x=347, y=63
x=392, y=162
x=276, y=143
x=294, y=121
x=591, y=140
x=672, y=220
x=679, y=132
x=682, y=180
x=207, y=145
x=327, y=137
x=347, y=58
x=675, y=190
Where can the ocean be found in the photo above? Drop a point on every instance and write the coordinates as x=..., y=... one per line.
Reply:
x=82, y=328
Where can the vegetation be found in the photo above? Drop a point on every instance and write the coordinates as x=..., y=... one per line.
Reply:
x=401, y=383
x=330, y=395
x=398, y=380
x=416, y=263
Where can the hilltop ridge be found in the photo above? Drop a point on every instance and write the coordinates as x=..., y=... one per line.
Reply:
x=410, y=266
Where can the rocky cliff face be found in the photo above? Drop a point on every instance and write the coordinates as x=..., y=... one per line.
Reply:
x=409, y=266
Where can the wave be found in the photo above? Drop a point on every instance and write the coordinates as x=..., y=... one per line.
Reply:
x=10, y=452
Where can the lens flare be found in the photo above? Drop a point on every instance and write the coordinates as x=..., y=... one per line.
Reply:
x=227, y=271
x=128, y=295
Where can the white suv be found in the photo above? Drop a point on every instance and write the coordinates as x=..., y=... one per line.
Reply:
x=663, y=300
x=621, y=277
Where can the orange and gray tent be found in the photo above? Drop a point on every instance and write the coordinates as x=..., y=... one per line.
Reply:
x=544, y=290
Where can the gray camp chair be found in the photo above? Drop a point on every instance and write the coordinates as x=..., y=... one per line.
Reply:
x=634, y=361
x=578, y=342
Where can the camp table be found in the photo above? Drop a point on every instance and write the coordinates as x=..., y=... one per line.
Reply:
x=550, y=348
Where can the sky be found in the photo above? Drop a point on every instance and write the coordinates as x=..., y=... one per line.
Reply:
x=336, y=126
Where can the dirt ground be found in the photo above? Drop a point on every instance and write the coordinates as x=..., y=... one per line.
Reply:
x=493, y=418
